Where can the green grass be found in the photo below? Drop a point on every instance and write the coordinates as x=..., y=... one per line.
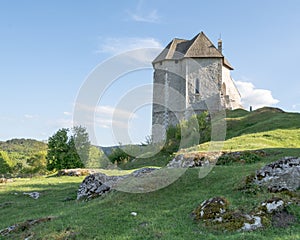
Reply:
x=165, y=213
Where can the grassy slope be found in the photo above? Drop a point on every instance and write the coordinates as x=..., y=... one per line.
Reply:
x=163, y=214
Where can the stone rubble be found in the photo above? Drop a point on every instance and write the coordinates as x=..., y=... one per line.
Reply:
x=281, y=175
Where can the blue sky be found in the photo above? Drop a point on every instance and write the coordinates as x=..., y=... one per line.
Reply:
x=48, y=49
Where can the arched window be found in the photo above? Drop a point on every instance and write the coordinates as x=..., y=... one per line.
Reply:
x=197, y=86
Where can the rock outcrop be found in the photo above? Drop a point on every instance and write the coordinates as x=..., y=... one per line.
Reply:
x=98, y=184
x=281, y=175
x=75, y=172
x=215, y=212
x=189, y=160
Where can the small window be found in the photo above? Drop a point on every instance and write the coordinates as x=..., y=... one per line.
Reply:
x=197, y=86
x=176, y=61
x=160, y=63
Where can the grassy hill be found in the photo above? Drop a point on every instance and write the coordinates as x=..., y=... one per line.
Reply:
x=165, y=213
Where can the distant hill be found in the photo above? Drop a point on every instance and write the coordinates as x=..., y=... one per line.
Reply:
x=22, y=146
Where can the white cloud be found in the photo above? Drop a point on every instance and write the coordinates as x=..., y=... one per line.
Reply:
x=151, y=17
x=67, y=113
x=140, y=15
x=255, y=97
x=119, y=45
x=30, y=116
x=107, y=116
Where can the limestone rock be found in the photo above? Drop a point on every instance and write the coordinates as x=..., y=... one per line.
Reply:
x=272, y=205
x=189, y=160
x=283, y=174
x=98, y=184
x=34, y=195
x=215, y=212
x=211, y=209
x=253, y=223
x=6, y=180
x=75, y=172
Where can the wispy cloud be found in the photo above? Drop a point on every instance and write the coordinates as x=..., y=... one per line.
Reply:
x=30, y=116
x=118, y=45
x=255, y=97
x=67, y=113
x=142, y=15
x=107, y=116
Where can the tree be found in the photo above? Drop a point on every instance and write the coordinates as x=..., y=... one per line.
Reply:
x=82, y=142
x=62, y=152
x=57, y=149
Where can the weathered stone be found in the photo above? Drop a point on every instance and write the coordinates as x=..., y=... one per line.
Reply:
x=98, y=184
x=272, y=205
x=199, y=159
x=215, y=212
x=211, y=209
x=34, y=195
x=24, y=225
x=281, y=175
x=255, y=223
x=75, y=172
x=6, y=180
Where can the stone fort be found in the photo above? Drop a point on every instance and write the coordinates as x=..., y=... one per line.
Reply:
x=191, y=76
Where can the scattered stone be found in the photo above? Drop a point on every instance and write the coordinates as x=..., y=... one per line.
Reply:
x=98, y=184
x=251, y=226
x=6, y=180
x=24, y=225
x=75, y=172
x=281, y=175
x=215, y=212
x=189, y=160
x=34, y=195
x=133, y=214
x=272, y=205
x=142, y=172
x=211, y=209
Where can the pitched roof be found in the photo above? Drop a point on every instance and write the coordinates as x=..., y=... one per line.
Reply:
x=198, y=47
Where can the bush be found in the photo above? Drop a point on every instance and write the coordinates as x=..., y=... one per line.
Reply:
x=118, y=156
x=247, y=157
x=188, y=133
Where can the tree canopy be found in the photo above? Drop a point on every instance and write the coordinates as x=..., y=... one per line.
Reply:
x=68, y=150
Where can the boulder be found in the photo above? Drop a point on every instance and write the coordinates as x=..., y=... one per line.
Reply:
x=281, y=175
x=5, y=180
x=189, y=160
x=272, y=205
x=75, y=172
x=215, y=212
x=98, y=184
x=211, y=209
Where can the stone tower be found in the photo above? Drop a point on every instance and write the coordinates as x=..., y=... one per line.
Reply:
x=191, y=76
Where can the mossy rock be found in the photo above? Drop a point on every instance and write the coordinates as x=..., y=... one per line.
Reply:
x=211, y=209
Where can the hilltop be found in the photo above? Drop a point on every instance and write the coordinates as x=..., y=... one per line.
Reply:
x=165, y=213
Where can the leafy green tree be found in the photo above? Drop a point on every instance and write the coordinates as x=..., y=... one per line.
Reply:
x=57, y=149
x=62, y=152
x=82, y=142
x=37, y=162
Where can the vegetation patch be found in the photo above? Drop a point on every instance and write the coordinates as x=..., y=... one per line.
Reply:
x=243, y=157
